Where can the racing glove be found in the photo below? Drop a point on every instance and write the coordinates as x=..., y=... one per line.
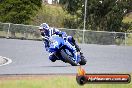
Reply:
x=47, y=49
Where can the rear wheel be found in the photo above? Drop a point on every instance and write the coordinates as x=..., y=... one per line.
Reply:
x=83, y=61
x=68, y=57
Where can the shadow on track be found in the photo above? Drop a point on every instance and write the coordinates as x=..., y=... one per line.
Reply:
x=63, y=66
x=58, y=66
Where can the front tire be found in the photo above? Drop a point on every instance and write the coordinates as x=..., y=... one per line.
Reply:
x=67, y=57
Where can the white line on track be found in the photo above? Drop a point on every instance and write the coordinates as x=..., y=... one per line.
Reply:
x=8, y=61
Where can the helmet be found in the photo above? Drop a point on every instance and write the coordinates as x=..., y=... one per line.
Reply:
x=44, y=26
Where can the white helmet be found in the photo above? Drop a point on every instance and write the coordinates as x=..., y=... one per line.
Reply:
x=44, y=26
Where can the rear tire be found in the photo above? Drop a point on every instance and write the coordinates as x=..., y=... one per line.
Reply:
x=83, y=61
x=67, y=58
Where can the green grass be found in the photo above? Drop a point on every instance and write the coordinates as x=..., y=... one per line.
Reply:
x=54, y=82
x=129, y=40
x=3, y=33
x=54, y=15
x=127, y=18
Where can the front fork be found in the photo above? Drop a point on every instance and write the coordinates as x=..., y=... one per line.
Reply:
x=73, y=49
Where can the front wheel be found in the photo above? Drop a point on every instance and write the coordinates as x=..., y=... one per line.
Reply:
x=68, y=57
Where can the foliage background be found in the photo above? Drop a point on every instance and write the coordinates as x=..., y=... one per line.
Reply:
x=102, y=15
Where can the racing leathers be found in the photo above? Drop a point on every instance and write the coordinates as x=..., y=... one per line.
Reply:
x=48, y=33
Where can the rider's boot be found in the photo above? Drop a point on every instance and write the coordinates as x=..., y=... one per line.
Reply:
x=78, y=49
x=75, y=44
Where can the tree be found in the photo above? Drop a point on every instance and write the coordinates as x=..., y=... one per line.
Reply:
x=74, y=8
x=109, y=15
x=102, y=15
x=18, y=11
x=54, y=15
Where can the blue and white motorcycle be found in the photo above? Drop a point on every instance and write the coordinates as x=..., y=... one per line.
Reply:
x=64, y=51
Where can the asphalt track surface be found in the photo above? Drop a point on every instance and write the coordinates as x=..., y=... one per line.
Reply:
x=29, y=57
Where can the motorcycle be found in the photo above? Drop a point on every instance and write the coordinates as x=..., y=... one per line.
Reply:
x=65, y=51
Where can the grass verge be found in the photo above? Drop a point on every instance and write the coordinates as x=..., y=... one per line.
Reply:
x=51, y=82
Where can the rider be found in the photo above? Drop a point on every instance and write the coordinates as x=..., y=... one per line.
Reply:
x=47, y=32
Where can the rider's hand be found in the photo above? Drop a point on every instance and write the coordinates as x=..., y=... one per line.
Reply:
x=47, y=49
x=64, y=38
x=60, y=34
